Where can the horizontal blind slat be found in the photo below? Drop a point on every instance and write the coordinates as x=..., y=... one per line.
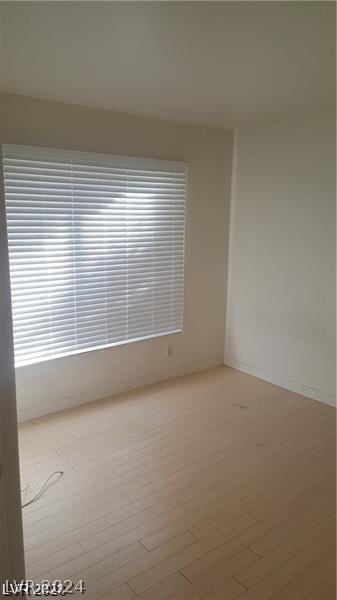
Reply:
x=96, y=249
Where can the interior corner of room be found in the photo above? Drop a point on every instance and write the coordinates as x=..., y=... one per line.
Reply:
x=276, y=258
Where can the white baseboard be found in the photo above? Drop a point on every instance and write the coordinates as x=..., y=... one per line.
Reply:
x=118, y=387
x=293, y=386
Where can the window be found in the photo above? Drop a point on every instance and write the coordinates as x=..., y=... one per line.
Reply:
x=96, y=249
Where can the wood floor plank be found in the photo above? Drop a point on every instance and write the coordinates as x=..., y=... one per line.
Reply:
x=229, y=591
x=311, y=581
x=54, y=560
x=104, y=576
x=124, y=592
x=290, y=570
x=180, y=559
x=96, y=562
x=325, y=591
x=35, y=553
x=300, y=540
x=166, y=588
x=216, y=578
x=195, y=488
x=323, y=508
x=134, y=530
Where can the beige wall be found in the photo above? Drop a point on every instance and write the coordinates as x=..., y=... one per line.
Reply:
x=281, y=290
x=57, y=384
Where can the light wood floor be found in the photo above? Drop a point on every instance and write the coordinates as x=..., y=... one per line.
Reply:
x=214, y=486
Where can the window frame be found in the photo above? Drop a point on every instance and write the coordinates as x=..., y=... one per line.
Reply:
x=102, y=159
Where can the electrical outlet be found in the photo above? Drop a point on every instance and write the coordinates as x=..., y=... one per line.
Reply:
x=170, y=350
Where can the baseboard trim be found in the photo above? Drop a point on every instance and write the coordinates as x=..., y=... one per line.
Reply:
x=293, y=386
x=26, y=414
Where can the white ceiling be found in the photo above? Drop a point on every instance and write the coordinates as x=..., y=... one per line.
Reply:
x=213, y=63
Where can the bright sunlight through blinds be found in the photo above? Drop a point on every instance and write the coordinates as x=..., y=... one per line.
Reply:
x=96, y=249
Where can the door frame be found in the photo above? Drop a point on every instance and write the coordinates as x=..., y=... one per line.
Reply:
x=12, y=564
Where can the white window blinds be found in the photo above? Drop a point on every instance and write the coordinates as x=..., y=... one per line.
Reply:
x=96, y=249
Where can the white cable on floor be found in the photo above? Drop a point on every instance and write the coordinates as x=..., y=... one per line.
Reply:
x=39, y=494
